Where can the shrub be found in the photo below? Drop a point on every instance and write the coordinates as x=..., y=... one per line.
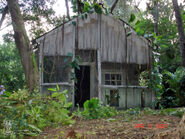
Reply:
x=93, y=109
x=174, y=93
x=27, y=114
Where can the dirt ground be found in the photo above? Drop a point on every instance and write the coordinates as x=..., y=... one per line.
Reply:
x=113, y=128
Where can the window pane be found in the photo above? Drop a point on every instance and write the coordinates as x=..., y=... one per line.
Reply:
x=49, y=69
x=118, y=82
x=107, y=82
x=55, y=69
x=107, y=76
x=118, y=76
x=113, y=82
x=113, y=77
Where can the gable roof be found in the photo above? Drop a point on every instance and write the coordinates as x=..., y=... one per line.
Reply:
x=116, y=46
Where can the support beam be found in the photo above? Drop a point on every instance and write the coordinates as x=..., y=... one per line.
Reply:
x=54, y=84
x=123, y=86
x=72, y=69
x=41, y=65
x=99, y=57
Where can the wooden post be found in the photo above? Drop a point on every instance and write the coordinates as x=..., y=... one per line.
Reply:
x=99, y=57
x=41, y=65
x=151, y=61
x=126, y=66
x=72, y=69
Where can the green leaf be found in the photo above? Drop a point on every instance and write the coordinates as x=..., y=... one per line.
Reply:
x=74, y=23
x=52, y=89
x=68, y=105
x=138, y=22
x=58, y=87
x=110, y=120
x=87, y=6
x=78, y=67
x=65, y=91
x=55, y=95
x=35, y=128
x=86, y=16
x=97, y=8
x=132, y=18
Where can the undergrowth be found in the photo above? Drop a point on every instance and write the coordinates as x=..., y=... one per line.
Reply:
x=93, y=109
x=23, y=114
x=135, y=113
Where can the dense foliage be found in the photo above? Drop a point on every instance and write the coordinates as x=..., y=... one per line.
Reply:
x=11, y=71
x=38, y=14
x=24, y=114
x=174, y=88
x=166, y=52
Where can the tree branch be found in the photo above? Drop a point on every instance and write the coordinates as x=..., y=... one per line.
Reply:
x=3, y=15
x=94, y=1
x=67, y=9
x=5, y=26
x=114, y=5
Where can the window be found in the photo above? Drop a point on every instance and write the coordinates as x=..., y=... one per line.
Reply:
x=113, y=79
x=55, y=69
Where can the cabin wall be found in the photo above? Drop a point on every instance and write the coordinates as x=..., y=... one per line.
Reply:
x=130, y=96
x=131, y=71
x=124, y=95
x=54, y=67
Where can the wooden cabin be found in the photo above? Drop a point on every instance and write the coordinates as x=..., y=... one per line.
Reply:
x=111, y=61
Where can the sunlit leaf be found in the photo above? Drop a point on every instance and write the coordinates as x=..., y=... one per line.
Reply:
x=52, y=89
x=132, y=18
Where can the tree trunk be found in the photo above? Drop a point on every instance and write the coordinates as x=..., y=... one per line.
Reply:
x=180, y=30
x=23, y=44
x=5, y=11
x=156, y=17
x=67, y=9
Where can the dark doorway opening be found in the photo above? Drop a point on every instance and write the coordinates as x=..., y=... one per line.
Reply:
x=82, y=86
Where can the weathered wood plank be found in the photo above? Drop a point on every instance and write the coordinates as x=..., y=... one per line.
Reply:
x=99, y=56
x=72, y=69
x=122, y=86
x=41, y=66
x=51, y=84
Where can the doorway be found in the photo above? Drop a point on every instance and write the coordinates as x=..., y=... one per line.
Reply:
x=82, y=86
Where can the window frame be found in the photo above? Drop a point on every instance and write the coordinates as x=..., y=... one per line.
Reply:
x=116, y=80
